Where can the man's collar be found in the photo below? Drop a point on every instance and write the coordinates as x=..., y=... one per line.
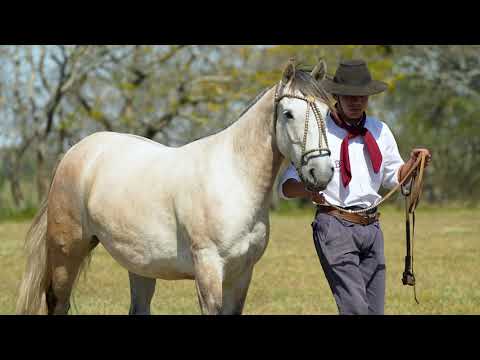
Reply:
x=342, y=125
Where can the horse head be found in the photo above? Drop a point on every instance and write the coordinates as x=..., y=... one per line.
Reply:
x=301, y=109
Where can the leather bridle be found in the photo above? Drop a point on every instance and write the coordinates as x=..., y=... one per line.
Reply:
x=311, y=105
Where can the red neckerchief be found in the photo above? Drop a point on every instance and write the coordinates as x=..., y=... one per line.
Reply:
x=369, y=140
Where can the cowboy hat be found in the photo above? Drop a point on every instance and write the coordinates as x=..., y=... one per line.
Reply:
x=353, y=78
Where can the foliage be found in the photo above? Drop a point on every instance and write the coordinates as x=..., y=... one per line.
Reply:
x=54, y=95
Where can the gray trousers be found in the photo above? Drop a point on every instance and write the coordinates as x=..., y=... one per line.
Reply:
x=353, y=260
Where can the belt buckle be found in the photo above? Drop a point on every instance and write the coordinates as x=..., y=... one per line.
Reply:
x=372, y=217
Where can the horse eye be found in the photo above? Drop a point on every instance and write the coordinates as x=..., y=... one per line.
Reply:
x=288, y=114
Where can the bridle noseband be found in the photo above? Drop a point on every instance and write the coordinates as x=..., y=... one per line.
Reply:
x=310, y=100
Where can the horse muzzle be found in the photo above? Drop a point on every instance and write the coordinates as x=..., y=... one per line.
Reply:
x=316, y=175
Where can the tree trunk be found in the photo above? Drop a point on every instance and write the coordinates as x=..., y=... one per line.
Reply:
x=11, y=169
x=42, y=173
x=17, y=192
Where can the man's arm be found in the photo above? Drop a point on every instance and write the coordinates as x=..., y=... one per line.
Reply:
x=295, y=189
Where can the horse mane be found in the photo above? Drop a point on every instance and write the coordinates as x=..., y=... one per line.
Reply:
x=304, y=82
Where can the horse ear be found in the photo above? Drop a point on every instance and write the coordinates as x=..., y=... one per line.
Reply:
x=289, y=71
x=319, y=71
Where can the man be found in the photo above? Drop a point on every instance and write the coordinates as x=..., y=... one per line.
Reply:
x=366, y=157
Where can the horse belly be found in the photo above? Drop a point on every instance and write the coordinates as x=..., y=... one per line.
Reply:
x=172, y=260
x=160, y=255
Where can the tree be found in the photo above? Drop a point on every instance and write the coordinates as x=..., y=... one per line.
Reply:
x=435, y=105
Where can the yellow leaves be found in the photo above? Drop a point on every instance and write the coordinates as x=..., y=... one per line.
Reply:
x=200, y=120
x=380, y=68
x=96, y=115
x=127, y=86
x=211, y=88
x=147, y=49
x=309, y=54
x=234, y=72
x=304, y=54
x=396, y=78
x=212, y=107
x=126, y=119
x=263, y=78
x=349, y=51
x=66, y=122
x=244, y=52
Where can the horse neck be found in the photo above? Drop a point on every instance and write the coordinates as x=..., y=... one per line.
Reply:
x=255, y=152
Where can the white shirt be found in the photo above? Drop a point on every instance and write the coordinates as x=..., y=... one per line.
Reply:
x=364, y=185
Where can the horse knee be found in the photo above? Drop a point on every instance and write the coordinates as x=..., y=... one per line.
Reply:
x=208, y=279
x=214, y=305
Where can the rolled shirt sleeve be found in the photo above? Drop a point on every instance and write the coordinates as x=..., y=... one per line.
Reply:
x=289, y=173
x=392, y=160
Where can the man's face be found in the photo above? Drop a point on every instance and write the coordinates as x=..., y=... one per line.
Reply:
x=353, y=106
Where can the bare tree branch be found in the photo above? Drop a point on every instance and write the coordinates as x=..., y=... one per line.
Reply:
x=41, y=69
x=151, y=130
x=171, y=53
x=107, y=123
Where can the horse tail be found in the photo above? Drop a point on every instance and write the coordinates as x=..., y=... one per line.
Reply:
x=31, y=296
x=31, y=299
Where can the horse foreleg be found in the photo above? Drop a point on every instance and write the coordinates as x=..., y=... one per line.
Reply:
x=141, y=294
x=235, y=292
x=208, y=280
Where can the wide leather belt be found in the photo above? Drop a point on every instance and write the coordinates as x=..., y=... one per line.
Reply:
x=362, y=218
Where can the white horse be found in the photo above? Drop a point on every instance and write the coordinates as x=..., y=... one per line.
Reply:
x=200, y=211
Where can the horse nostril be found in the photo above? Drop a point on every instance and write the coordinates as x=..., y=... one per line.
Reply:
x=312, y=172
x=332, y=168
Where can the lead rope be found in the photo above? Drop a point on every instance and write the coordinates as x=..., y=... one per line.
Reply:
x=417, y=164
x=412, y=191
x=413, y=236
x=408, y=277
x=412, y=198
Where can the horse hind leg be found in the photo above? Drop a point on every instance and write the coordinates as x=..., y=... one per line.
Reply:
x=68, y=251
x=141, y=294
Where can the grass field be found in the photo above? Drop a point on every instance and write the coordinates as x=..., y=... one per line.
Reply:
x=288, y=279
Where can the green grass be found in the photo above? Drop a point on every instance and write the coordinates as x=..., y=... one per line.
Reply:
x=288, y=279
x=8, y=211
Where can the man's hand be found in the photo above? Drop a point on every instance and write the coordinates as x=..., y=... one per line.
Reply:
x=317, y=197
x=296, y=189
x=418, y=151
x=413, y=158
